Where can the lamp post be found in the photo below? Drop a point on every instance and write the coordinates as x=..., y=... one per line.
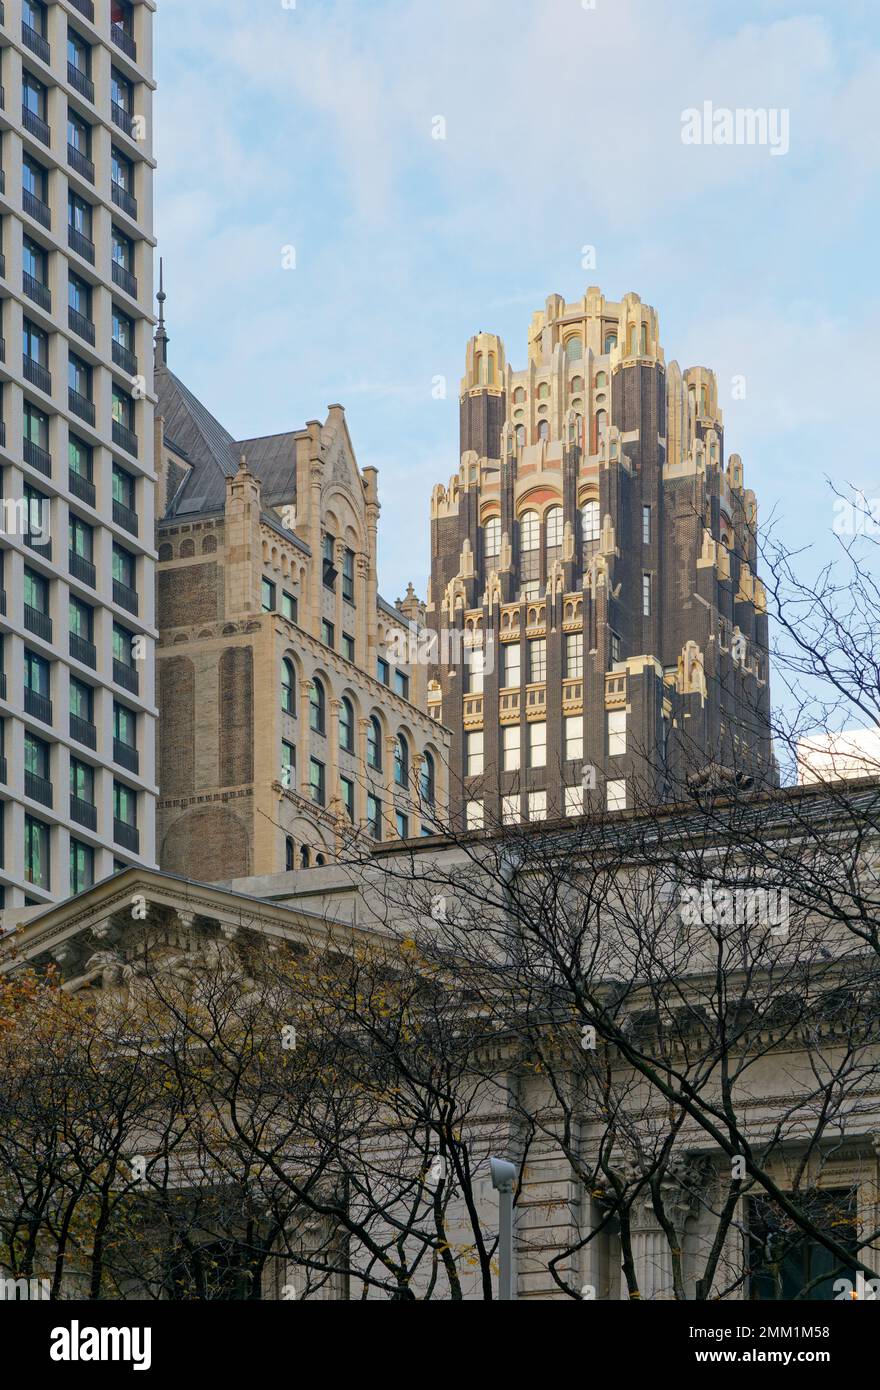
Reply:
x=503, y=1181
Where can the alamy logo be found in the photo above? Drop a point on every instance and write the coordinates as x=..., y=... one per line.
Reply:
x=722, y=125
x=75, y=1343
x=709, y=906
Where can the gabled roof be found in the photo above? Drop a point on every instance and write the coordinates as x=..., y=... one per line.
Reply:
x=213, y=454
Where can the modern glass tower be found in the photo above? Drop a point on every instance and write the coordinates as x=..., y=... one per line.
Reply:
x=77, y=715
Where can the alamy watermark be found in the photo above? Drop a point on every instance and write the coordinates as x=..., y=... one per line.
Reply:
x=709, y=905
x=722, y=125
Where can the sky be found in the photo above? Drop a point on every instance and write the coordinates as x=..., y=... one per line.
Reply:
x=321, y=244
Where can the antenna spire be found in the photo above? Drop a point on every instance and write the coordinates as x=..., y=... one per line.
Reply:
x=161, y=334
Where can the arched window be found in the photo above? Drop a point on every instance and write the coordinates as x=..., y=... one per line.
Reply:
x=401, y=761
x=492, y=536
x=528, y=531
x=601, y=379
x=427, y=780
x=521, y=436
x=317, y=708
x=544, y=429
x=320, y=861
x=478, y=368
x=553, y=528
x=574, y=349
x=491, y=373
x=643, y=340
x=577, y=383
x=704, y=399
x=374, y=744
x=601, y=422
x=610, y=341
x=304, y=856
x=543, y=391
x=633, y=338
x=289, y=860
x=590, y=525
x=346, y=725
x=519, y=396
x=288, y=688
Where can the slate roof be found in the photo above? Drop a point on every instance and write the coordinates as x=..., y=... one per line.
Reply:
x=213, y=455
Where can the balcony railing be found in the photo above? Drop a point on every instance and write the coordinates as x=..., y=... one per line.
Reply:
x=81, y=568
x=124, y=358
x=35, y=125
x=36, y=208
x=37, y=457
x=83, y=731
x=125, y=517
x=124, y=279
x=123, y=199
x=83, y=812
x=126, y=835
x=125, y=438
x=35, y=42
x=126, y=676
x=81, y=487
x=40, y=706
x=126, y=756
x=123, y=39
x=85, y=7
x=36, y=621
x=41, y=548
x=38, y=788
x=80, y=243
x=37, y=291
x=81, y=82
x=121, y=117
x=81, y=649
x=125, y=596
x=81, y=326
x=81, y=163
x=37, y=374
x=81, y=405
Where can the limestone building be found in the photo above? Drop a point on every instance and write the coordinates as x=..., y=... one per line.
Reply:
x=77, y=717
x=597, y=549
x=283, y=728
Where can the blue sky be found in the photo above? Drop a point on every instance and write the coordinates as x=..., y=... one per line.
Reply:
x=312, y=127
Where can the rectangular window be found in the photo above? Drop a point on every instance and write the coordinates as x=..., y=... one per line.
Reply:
x=123, y=567
x=574, y=655
x=615, y=793
x=36, y=593
x=574, y=801
x=615, y=647
x=123, y=488
x=289, y=607
x=511, y=664
x=124, y=725
x=82, y=867
x=80, y=618
x=646, y=525
x=538, y=745
x=81, y=700
x=82, y=781
x=537, y=805
x=475, y=665
x=316, y=782
x=401, y=684
x=646, y=595
x=348, y=646
x=374, y=816
x=36, y=853
x=348, y=576
x=475, y=815
x=616, y=732
x=79, y=457
x=511, y=747
x=510, y=809
x=474, y=744
x=538, y=660
x=383, y=671
x=124, y=805
x=328, y=634
x=36, y=757
x=402, y=821
x=288, y=764
x=329, y=565
x=574, y=738
x=346, y=787
x=36, y=674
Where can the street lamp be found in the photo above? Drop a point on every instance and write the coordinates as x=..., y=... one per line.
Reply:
x=503, y=1181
